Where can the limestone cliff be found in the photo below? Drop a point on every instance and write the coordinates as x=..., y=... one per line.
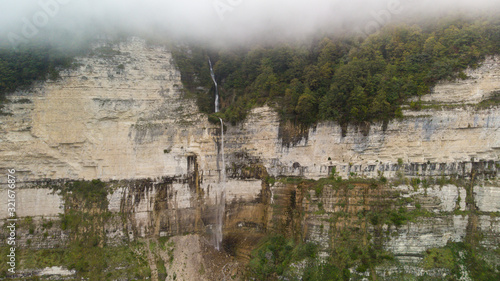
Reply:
x=121, y=116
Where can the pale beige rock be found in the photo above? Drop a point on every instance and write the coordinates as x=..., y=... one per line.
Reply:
x=112, y=118
x=414, y=238
x=33, y=202
x=479, y=85
x=449, y=197
x=187, y=259
x=115, y=199
x=487, y=198
x=56, y=270
x=123, y=117
x=445, y=137
x=246, y=190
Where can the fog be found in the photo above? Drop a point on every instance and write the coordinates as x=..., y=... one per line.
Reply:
x=222, y=21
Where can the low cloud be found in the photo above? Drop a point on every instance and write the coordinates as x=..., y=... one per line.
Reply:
x=215, y=20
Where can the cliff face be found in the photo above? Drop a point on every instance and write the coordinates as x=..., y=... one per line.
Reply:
x=121, y=116
x=106, y=119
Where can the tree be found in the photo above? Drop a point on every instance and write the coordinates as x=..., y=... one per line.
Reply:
x=306, y=108
x=358, y=104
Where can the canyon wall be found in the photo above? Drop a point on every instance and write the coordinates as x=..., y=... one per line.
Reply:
x=121, y=116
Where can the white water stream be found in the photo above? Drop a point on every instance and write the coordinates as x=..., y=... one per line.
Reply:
x=221, y=202
x=212, y=74
x=221, y=198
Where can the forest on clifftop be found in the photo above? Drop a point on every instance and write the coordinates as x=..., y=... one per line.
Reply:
x=341, y=77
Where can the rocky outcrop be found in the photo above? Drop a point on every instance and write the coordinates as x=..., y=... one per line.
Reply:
x=479, y=85
x=121, y=115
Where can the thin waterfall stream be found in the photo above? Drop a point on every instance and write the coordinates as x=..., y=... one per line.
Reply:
x=212, y=74
x=220, y=198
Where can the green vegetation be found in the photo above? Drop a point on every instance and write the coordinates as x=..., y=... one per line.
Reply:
x=365, y=216
x=85, y=215
x=170, y=252
x=493, y=100
x=107, y=52
x=279, y=258
x=439, y=258
x=112, y=263
x=276, y=256
x=352, y=247
x=160, y=264
x=331, y=77
x=455, y=255
x=31, y=62
x=340, y=77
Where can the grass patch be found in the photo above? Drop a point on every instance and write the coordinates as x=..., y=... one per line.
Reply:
x=275, y=256
x=439, y=258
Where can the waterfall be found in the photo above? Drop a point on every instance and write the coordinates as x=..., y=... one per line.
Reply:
x=216, y=86
x=222, y=197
